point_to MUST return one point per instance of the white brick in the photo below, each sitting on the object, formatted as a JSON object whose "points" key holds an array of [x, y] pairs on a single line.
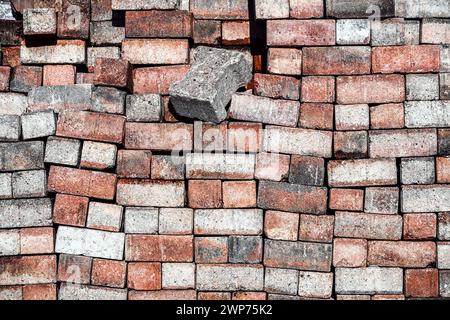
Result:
{"points": [[272, 9], [393, 32], [178, 275], [422, 8], [104, 216], [97, 155], [9, 242], [29, 184], [422, 87], [371, 280], [417, 170], [70, 291], [39, 21], [5, 185], [443, 255], [176, 220], [352, 31], [220, 166], [144, 4], [155, 51], [229, 277], [64, 51], [13, 103], [315, 284], [426, 114], [91, 243], [144, 108], [38, 124], [146, 193], [228, 221], [283, 281], [352, 117], [62, 151], [141, 220]]}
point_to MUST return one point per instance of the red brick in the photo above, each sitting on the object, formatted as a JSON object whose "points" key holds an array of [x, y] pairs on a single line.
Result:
{"points": [[214, 296], [236, 33], [37, 240], [419, 226], [370, 89], [316, 228], [278, 87], [59, 75], [249, 296], [101, 10], [112, 72], [82, 182], [169, 115], [271, 166], [211, 249], [39, 292], [11, 56], [156, 51], [158, 136], [85, 78], [301, 32], [70, 210], [23, 78], [239, 194], [5, 73], [405, 254], [144, 276], [422, 283], [244, 137], [207, 31], [220, 9], [406, 59], [388, 297], [443, 169], [285, 61], [302, 9], [387, 116], [91, 126], [280, 225], [318, 89], [204, 194], [349, 253], [158, 24], [214, 137], [134, 163], [74, 269], [28, 270], [346, 199], [336, 60], [316, 116], [159, 248], [74, 23], [157, 79], [108, 273]]}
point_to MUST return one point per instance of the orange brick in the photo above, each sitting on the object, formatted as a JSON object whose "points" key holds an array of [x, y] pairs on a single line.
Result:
{"points": [[387, 116], [39, 292], [159, 248], [108, 273], [236, 33], [157, 80], [346, 199], [281, 225], [59, 75], [70, 210], [419, 226], [443, 169], [204, 194], [316, 116], [239, 194], [144, 276], [318, 89], [422, 283], [37, 240]]}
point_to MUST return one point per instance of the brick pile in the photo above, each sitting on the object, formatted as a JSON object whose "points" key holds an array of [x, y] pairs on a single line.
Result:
{"points": [[328, 179]]}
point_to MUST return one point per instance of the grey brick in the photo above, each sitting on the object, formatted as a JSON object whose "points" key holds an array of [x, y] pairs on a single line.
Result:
{"points": [[178, 275], [5, 185], [24, 78], [61, 98], [417, 198], [444, 80], [360, 9], [101, 52], [29, 184], [230, 277], [421, 9], [13, 103], [228, 222], [12, 293], [10, 128], [381, 200], [98, 155], [104, 216], [205, 97], [281, 281], [370, 280], [38, 124], [17, 156], [144, 108], [25, 213], [315, 284], [417, 170], [109, 100], [422, 87], [167, 167], [220, 166], [39, 21], [9, 242], [443, 229], [141, 220], [176, 220], [352, 31], [63, 52], [104, 33], [242, 249], [62, 151], [69, 291], [394, 32], [144, 4]]}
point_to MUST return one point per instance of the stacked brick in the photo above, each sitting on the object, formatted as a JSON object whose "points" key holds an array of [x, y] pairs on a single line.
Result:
{"points": [[329, 178]]}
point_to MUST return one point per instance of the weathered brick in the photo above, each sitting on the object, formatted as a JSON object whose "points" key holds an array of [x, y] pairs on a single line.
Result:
{"points": [[417, 170], [163, 295], [370, 280], [350, 144], [150, 193], [37, 240], [73, 19], [239, 194], [419, 9], [62, 151], [155, 51], [346, 199], [307, 171], [423, 283], [28, 270], [387, 116], [306, 8], [211, 249], [280, 225], [228, 221], [92, 126], [221, 9], [11, 293], [368, 226], [204, 194], [112, 72], [159, 248], [93, 53], [24, 78], [301, 32], [318, 89], [352, 117], [11, 56], [5, 73], [10, 31], [104, 216], [406, 59], [176, 221], [415, 198], [360, 9], [443, 255], [220, 166], [141, 220], [435, 31], [59, 75], [158, 24], [39, 292], [108, 273], [92, 243], [364, 172], [69, 291], [444, 142], [292, 197], [286, 61], [297, 141], [82, 182], [207, 31], [260, 109], [353, 31], [167, 168], [283, 281], [236, 33], [272, 166], [269, 9], [444, 88], [108, 100], [17, 156], [39, 21], [60, 98], [426, 114], [336, 60], [297, 255], [70, 210], [245, 249], [316, 228], [395, 32], [370, 89], [97, 155], [10, 242], [315, 284], [63, 52], [29, 184], [178, 275], [274, 86], [10, 128], [143, 4], [316, 116], [443, 170], [230, 277], [244, 137], [74, 269], [133, 163], [38, 124], [12, 104], [422, 87], [106, 33], [144, 108], [144, 276], [210, 137], [381, 200], [419, 226], [158, 136], [101, 10], [443, 227], [405, 254], [350, 253]]}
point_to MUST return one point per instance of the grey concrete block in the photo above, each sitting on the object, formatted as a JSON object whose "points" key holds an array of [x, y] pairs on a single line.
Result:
{"points": [[209, 85]]}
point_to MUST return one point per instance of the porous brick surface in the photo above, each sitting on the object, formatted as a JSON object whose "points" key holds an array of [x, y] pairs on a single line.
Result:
{"points": [[218, 150]]}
